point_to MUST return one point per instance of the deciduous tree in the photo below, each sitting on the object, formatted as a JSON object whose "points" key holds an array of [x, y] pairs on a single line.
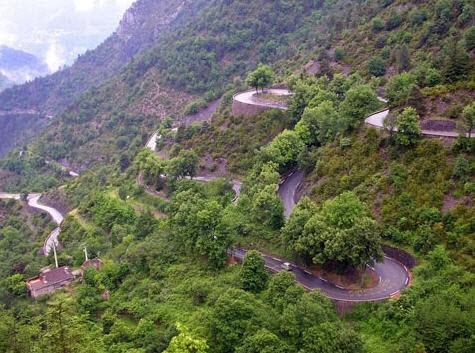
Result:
{"points": [[253, 272], [342, 232], [263, 341], [408, 128], [359, 102], [185, 342], [261, 78], [399, 89], [185, 164]]}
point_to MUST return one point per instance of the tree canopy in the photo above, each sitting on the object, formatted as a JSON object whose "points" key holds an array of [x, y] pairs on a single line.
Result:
{"points": [[341, 231], [261, 78]]}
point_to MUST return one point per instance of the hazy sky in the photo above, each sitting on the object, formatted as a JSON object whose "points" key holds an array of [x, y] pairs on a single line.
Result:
{"points": [[58, 30]]}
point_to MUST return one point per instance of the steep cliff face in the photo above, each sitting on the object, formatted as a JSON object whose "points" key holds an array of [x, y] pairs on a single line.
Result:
{"points": [[141, 25], [146, 19]]}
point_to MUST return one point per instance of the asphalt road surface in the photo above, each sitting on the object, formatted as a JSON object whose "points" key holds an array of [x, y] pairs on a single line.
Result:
{"points": [[249, 97], [33, 201], [52, 240], [377, 120], [288, 191], [393, 277]]}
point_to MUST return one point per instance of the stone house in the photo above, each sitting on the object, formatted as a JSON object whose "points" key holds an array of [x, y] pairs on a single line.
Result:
{"points": [[49, 281]]}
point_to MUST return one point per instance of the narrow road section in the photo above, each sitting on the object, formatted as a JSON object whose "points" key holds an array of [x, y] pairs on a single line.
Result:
{"points": [[33, 201], [250, 97], [377, 120], [288, 191], [393, 278]]}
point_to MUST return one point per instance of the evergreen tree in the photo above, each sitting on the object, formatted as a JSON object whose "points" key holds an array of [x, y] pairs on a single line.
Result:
{"points": [[457, 62], [468, 119]]}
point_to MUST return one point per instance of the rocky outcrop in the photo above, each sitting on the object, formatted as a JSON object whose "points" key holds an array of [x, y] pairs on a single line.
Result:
{"points": [[148, 18]]}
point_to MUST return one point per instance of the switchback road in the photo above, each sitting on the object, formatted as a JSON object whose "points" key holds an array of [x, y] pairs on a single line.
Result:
{"points": [[250, 97], [33, 201], [377, 120], [393, 277]]}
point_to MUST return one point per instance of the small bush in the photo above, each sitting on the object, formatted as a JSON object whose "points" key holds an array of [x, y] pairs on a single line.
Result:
{"points": [[469, 188], [470, 38], [377, 25], [339, 54], [376, 67]]}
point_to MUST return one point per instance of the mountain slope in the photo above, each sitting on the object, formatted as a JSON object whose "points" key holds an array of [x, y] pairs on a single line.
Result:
{"points": [[141, 25], [167, 280], [199, 58]]}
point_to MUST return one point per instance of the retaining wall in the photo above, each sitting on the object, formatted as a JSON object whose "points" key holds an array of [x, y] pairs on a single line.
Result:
{"points": [[245, 109], [400, 255]]}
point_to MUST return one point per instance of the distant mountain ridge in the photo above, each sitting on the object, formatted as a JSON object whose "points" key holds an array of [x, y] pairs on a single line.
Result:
{"points": [[17, 67]]}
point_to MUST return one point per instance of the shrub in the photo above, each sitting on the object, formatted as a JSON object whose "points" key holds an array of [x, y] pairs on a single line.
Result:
{"points": [[339, 54], [470, 38], [469, 188], [417, 17], [195, 106], [462, 168], [408, 129], [377, 25], [468, 13], [376, 67], [393, 22]]}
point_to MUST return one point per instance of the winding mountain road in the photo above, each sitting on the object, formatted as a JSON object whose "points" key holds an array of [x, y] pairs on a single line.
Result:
{"points": [[393, 277], [250, 97], [288, 191], [377, 120], [33, 201]]}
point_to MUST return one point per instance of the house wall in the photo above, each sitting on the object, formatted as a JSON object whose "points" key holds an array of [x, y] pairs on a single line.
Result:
{"points": [[48, 290]]}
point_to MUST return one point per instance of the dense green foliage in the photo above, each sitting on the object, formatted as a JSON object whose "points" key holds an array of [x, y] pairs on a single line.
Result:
{"points": [[167, 283], [21, 233], [341, 232], [261, 78], [253, 273]]}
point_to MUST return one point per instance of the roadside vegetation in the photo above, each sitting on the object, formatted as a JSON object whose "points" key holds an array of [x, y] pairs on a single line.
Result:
{"points": [[168, 283]]}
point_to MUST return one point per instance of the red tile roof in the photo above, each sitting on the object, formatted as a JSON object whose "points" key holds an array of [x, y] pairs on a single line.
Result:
{"points": [[50, 278]]}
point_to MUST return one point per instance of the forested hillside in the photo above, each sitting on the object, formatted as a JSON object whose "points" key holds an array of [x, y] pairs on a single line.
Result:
{"points": [[141, 26], [169, 223]]}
